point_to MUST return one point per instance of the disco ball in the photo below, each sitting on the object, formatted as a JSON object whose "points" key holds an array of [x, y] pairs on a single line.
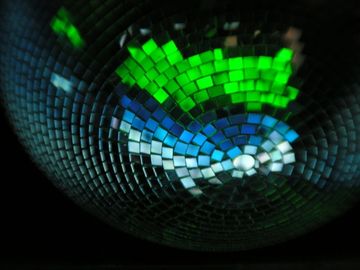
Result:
{"points": [[203, 125]]}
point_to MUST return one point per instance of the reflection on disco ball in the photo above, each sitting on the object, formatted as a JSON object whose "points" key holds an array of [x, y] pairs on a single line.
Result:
{"points": [[210, 126]]}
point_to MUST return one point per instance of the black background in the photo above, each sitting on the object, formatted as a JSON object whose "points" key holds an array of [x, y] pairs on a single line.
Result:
{"points": [[40, 226]]}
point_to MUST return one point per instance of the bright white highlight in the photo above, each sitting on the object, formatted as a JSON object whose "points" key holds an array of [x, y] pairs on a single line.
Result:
{"points": [[244, 162]]}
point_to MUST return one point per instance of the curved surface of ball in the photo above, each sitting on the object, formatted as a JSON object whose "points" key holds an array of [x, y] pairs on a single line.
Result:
{"points": [[205, 125]]}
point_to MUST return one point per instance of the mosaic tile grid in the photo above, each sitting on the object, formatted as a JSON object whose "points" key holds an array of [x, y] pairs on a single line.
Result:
{"points": [[180, 127]]}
